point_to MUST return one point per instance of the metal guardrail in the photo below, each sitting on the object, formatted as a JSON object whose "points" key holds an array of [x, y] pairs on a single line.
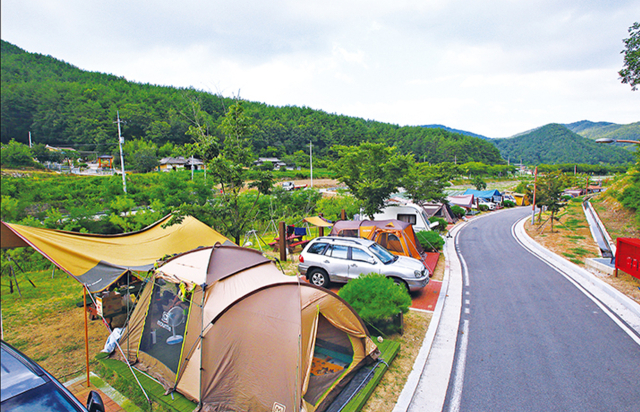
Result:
{"points": [[597, 230]]}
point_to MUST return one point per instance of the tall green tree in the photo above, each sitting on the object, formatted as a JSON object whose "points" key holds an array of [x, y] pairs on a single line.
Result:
{"points": [[549, 193], [630, 73], [232, 211], [425, 183], [372, 171]]}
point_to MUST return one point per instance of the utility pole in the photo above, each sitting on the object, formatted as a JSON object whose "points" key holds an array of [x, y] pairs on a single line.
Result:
{"points": [[121, 141], [29, 140], [533, 206], [311, 160]]}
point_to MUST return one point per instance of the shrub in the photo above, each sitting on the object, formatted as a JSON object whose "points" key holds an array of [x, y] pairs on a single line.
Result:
{"points": [[442, 223], [376, 298], [458, 211], [16, 154], [483, 208], [508, 203], [430, 240]]}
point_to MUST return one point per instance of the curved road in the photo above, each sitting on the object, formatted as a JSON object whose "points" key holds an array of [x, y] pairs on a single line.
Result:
{"points": [[529, 340]]}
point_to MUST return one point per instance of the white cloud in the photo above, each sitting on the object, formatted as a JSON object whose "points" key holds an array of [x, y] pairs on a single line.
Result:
{"points": [[494, 67]]}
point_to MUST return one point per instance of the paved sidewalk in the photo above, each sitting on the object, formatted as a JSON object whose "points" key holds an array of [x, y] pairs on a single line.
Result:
{"points": [[113, 400]]}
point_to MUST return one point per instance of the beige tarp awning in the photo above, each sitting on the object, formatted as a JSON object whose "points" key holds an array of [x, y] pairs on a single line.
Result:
{"points": [[98, 260], [318, 221]]}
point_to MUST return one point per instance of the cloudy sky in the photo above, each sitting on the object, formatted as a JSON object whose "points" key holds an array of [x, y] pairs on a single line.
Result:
{"points": [[493, 67]]}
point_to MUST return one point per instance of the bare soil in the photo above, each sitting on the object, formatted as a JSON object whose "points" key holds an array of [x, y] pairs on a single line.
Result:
{"points": [[387, 392]]}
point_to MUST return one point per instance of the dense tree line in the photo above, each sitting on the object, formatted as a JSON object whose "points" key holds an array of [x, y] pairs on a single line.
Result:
{"points": [[62, 105], [555, 143]]}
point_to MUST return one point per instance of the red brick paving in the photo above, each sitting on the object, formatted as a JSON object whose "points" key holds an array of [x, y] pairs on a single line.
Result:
{"points": [[424, 299]]}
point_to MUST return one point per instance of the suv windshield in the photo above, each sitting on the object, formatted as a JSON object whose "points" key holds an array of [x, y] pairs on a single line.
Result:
{"points": [[383, 254]]}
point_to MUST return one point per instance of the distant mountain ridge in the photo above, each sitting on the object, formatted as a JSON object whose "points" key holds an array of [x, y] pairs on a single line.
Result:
{"points": [[599, 130], [449, 129], [556, 143]]}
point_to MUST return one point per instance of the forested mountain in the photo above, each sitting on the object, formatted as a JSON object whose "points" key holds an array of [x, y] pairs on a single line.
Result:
{"points": [[449, 129], [555, 143], [599, 130], [62, 105]]}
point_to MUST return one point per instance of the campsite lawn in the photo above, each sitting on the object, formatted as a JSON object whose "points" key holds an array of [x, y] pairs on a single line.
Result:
{"points": [[46, 325]]}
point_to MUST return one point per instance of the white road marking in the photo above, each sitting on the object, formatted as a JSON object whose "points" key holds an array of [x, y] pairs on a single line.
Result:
{"points": [[456, 397], [581, 288]]}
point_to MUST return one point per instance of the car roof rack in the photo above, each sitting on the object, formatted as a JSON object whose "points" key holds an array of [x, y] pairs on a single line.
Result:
{"points": [[340, 238]]}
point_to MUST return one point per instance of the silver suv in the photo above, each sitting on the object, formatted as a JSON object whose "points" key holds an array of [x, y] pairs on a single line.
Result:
{"points": [[338, 259]]}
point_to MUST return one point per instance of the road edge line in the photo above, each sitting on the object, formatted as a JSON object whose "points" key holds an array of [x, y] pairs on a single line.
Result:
{"points": [[623, 306], [420, 364]]}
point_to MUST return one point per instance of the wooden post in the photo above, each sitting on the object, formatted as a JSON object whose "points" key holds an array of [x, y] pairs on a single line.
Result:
{"points": [[282, 241], [86, 333], [533, 206], [343, 215], [321, 231]]}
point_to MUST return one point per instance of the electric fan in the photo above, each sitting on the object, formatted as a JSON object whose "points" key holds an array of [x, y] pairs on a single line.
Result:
{"points": [[174, 318]]}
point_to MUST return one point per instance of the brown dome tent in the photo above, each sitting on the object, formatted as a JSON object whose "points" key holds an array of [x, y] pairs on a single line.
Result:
{"points": [[224, 327]]}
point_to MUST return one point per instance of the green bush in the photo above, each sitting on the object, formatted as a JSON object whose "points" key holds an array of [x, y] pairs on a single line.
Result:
{"points": [[458, 211], [483, 208], [442, 223], [16, 154], [430, 240], [376, 298], [508, 203]]}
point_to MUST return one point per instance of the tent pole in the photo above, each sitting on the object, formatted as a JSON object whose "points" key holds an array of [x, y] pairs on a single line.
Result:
{"points": [[86, 332]]}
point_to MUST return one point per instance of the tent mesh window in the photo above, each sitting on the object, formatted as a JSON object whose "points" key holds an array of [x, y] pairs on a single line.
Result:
{"points": [[391, 242], [333, 353], [164, 328], [349, 233]]}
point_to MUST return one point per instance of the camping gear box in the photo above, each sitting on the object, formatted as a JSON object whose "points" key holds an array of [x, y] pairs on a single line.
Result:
{"points": [[109, 305]]}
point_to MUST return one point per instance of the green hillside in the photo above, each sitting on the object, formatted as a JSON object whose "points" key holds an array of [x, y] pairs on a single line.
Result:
{"points": [[599, 130], [555, 143], [62, 105]]}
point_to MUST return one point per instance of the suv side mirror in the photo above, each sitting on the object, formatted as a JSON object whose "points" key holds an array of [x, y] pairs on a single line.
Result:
{"points": [[372, 261], [94, 402]]}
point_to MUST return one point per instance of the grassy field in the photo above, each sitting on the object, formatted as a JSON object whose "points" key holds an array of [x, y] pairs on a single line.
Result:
{"points": [[46, 324]]}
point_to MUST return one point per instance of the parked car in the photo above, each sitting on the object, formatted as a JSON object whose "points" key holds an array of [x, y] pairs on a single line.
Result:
{"points": [[28, 387], [288, 185], [490, 205], [337, 259]]}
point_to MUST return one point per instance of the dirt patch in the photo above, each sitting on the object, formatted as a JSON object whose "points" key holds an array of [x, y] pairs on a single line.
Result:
{"points": [[388, 391], [48, 329]]}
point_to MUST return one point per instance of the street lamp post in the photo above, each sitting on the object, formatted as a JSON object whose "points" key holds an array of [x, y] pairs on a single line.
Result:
{"points": [[610, 140], [311, 161]]}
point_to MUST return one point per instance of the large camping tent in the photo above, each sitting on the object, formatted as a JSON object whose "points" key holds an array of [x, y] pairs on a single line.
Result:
{"points": [[465, 201], [396, 236], [441, 210], [97, 261], [489, 195], [242, 336]]}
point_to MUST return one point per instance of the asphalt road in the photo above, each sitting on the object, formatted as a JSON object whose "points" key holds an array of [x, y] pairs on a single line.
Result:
{"points": [[529, 340]]}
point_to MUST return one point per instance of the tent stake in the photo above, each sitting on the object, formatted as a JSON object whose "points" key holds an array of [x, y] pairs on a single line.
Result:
{"points": [[86, 333]]}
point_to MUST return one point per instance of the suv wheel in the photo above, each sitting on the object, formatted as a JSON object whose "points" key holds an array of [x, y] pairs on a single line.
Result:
{"points": [[319, 277], [402, 284]]}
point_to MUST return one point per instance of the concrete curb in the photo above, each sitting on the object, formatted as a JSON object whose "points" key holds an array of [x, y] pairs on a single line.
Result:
{"points": [[624, 307], [437, 396]]}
